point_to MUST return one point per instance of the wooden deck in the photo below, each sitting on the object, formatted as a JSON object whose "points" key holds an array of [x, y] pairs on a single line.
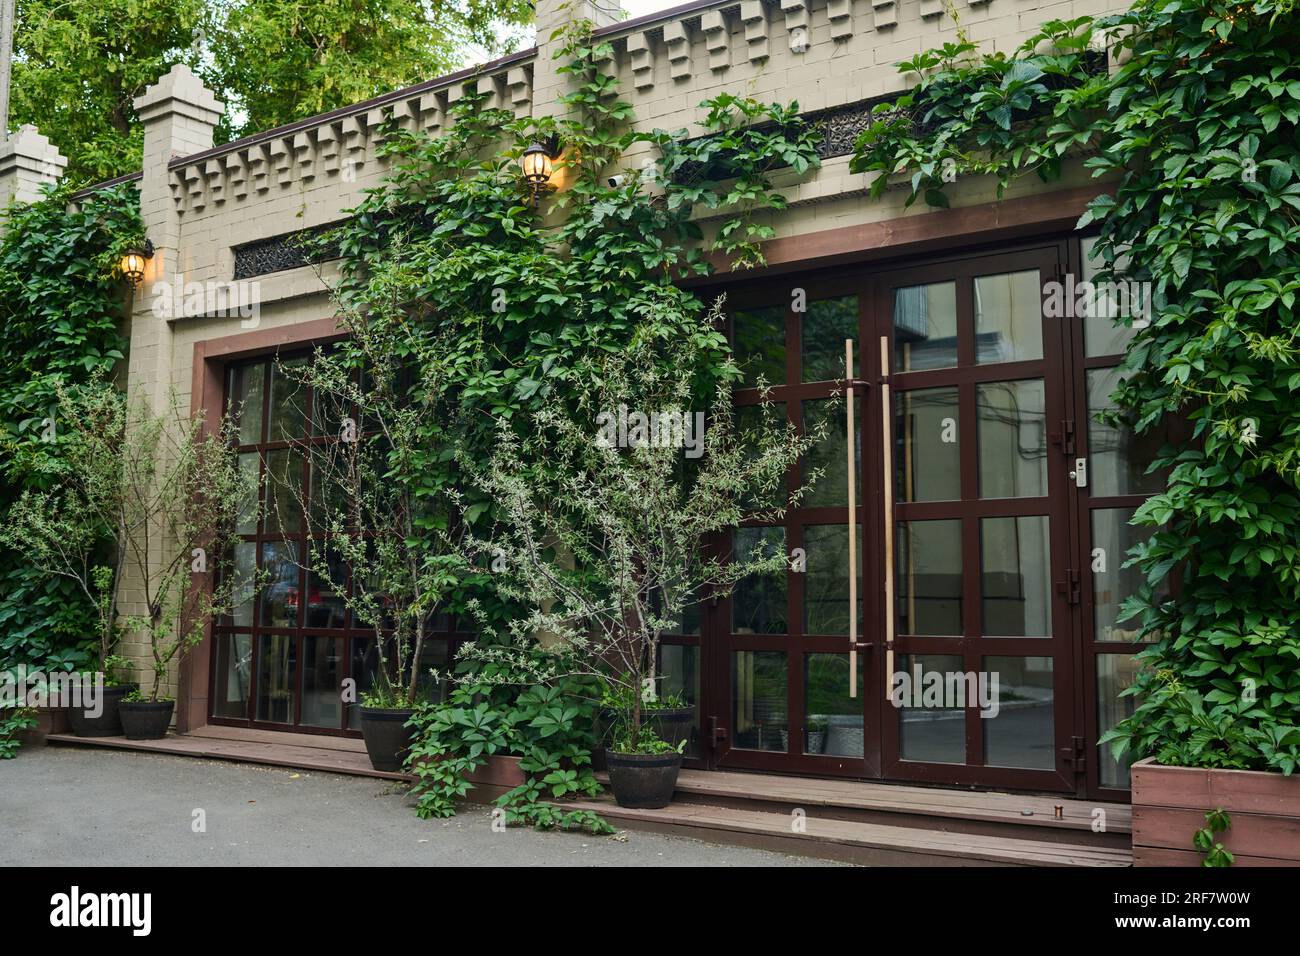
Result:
{"points": [[849, 820]]}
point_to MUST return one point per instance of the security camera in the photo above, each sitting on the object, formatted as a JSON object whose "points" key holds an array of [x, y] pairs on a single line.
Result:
{"points": [[617, 181]]}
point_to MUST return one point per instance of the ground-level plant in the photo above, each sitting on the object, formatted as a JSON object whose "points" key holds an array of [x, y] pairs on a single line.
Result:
{"points": [[13, 722], [170, 490]]}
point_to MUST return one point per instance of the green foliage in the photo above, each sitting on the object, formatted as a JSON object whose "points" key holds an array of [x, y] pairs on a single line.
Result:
{"points": [[1206, 839], [79, 66], [13, 721], [61, 308], [1195, 131]]}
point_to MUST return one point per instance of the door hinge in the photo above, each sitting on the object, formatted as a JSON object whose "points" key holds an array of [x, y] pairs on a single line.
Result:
{"points": [[1076, 755]]}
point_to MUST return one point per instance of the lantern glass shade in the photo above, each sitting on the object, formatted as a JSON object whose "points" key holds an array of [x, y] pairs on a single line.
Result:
{"points": [[133, 265], [537, 164]]}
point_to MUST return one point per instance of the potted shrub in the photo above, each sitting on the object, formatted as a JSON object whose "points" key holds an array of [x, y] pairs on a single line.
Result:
{"points": [[169, 489], [601, 532]]}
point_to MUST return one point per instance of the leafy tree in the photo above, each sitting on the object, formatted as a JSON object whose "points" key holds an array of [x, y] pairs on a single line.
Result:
{"points": [[78, 65]]}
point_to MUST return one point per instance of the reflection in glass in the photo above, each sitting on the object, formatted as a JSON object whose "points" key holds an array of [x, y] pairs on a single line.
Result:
{"points": [[929, 577], [280, 586], [244, 571], [927, 463], [322, 681], [830, 455], [752, 422], [276, 663], [1015, 577], [234, 675], [1008, 318], [758, 603], [925, 327], [759, 345], [1104, 332], [933, 734], [1117, 458], [832, 719], [288, 402], [326, 593], [1021, 735], [1112, 583], [1012, 430], [826, 581], [247, 394], [826, 324], [250, 464], [679, 670], [283, 491], [1115, 673], [759, 708]]}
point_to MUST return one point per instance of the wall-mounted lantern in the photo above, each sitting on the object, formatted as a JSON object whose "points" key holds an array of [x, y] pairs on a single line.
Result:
{"points": [[537, 162], [133, 260]]}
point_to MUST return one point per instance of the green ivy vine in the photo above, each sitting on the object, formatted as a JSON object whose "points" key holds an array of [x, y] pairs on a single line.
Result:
{"points": [[1194, 130], [62, 314], [526, 302]]}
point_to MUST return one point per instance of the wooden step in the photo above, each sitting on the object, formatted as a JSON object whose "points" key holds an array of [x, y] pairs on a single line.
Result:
{"points": [[851, 841], [1024, 816]]}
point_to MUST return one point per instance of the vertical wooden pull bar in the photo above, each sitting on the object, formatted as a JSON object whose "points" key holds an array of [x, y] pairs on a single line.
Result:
{"points": [[887, 454], [853, 520]]}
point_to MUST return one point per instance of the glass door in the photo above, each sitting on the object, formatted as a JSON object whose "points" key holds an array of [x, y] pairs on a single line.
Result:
{"points": [[779, 645], [983, 577]]}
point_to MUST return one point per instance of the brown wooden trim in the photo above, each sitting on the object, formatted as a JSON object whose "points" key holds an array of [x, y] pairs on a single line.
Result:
{"points": [[207, 392], [998, 221]]}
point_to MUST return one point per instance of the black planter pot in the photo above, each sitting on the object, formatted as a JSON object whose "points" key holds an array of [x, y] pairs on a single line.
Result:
{"points": [[146, 720], [108, 723], [387, 737], [672, 724], [643, 781]]}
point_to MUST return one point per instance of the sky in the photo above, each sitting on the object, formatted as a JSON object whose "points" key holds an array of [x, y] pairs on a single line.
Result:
{"points": [[639, 8]]}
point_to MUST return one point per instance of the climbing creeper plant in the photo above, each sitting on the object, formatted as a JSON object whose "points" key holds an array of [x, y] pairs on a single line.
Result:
{"points": [[1193, 131]]}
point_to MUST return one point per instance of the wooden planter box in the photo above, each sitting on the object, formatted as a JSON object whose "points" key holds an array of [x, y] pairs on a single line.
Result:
{"points": [[1169, 806]]}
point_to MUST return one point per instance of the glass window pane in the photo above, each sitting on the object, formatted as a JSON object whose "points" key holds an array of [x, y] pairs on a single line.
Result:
{"points": [[1115, 673], [826, 324], [1117, 458], [826, 580], [1015, 577], [322, 681], [283, 491], [434, 655], [280, 585], [927, 460], [1104, 332], [1012, 431], [758, 603], [234, 675], [243, 569], [925, 327], [679, 668], [1112, 583], [929, 577], [759, 345], [1008, 318], [1021, 735], [753, 421], [928, 731], [247, 396], [832, 719], [831, 456], [288, 401], [326, 591], [275, 678], [250, 465], [759, 701]]}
